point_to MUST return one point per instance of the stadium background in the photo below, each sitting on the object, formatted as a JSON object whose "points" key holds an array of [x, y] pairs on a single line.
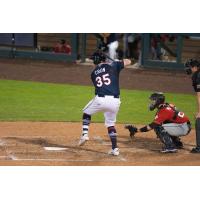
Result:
{"points": [[40, 46]]}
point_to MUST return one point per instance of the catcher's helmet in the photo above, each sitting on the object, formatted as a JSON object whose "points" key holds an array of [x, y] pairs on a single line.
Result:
{"points": [[156, 98], [98, 57], [191, 63]]}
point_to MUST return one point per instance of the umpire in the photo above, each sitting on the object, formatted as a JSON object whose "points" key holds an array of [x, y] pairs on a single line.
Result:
{"points": [[192, 67]]}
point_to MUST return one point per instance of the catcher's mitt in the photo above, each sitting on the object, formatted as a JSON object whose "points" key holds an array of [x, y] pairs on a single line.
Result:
{"points": [[132, 129]]}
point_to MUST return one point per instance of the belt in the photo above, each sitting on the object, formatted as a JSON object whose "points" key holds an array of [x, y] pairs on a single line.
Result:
{"points": [[115, 96]]}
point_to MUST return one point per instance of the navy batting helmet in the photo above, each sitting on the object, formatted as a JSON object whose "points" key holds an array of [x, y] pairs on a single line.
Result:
{"points": [[156, 98], [98, 57]]}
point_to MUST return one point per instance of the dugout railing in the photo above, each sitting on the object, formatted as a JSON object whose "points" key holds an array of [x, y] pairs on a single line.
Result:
{"points": [[185, 46], [10, 48]]}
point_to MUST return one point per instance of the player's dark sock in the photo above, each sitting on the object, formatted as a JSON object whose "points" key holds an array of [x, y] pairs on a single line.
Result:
{"points": [[113, 136], [86, 123]]}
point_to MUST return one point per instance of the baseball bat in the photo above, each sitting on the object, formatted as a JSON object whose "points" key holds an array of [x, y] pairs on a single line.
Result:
{"points": [[106, 55]]}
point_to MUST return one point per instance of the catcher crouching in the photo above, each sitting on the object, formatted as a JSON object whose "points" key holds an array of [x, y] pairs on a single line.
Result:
{"points": [[169, 124]]}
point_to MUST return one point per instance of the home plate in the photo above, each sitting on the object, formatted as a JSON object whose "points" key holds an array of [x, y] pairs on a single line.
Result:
{"points": [[55, 148]]}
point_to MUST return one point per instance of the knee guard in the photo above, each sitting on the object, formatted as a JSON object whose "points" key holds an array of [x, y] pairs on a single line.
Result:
{"points": [[86, 119], [197, 129], [164, 137]]}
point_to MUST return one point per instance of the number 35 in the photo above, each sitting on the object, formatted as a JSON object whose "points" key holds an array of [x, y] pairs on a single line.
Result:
{"points": [[103, 80]]}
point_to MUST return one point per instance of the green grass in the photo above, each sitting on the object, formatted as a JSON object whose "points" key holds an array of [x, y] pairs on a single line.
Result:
{"points": [[32, 101]]}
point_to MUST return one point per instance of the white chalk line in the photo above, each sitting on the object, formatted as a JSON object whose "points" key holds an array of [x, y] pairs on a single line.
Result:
{"points": [[14, 158]]}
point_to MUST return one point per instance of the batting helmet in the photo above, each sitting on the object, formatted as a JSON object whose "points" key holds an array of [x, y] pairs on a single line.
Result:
{"points": [[191, 63], [98, 57], [156, 98]]}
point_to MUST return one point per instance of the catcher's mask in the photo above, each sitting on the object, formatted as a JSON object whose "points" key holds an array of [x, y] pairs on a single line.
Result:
{"points": [[191, 63], [156, 99], [98, 57]]}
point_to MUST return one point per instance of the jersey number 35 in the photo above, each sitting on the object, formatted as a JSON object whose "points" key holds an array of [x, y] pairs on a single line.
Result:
{"points": [[103, 80]]}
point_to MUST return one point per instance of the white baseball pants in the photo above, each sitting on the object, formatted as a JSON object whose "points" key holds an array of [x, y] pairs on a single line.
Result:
{"points": [[108, 105]]}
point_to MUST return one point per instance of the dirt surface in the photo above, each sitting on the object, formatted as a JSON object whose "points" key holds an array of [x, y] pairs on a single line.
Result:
{"points": [[23, 143]]}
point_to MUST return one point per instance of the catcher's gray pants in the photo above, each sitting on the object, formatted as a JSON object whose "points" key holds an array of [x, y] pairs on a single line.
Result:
{"points": [[177, 129]]}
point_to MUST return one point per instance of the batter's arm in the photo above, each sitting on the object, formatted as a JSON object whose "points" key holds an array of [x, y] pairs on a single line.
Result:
{"points": [[127, 62]]}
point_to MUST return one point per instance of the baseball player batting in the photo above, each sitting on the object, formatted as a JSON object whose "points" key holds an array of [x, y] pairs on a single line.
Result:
{"points": [[105, 78], [169, 123]]}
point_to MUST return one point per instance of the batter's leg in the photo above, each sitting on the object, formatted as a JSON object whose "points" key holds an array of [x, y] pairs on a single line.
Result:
{"points": [[113, 137], [85, 127]]}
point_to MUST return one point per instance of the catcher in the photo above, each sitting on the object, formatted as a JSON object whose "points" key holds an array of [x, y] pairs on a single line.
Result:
{"points": [[169, 123]]}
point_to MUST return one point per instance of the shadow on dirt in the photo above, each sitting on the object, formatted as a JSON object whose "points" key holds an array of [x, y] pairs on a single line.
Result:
{"points": [[46, 143], [150, 144]]}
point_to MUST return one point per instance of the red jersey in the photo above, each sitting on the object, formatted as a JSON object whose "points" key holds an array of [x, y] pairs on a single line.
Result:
{"points": [[168, 113]]}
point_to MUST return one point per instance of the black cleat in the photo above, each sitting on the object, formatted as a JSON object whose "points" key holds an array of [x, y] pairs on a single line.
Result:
{"points": [[179, 145], [177, 142], [195, 150]]}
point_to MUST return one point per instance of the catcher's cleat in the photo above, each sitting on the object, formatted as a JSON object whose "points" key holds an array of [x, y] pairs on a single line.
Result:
{"points": [[114, 152], [179, 145], [195, 150], [84, 138], [177, 142], [169, 150], [132, 129]]}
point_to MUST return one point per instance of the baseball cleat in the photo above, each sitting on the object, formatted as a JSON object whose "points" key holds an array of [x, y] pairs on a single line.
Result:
{"points": [[114, 152], [179, 145], [177, 142], [168, 150], [84, 138], [195, 150]]}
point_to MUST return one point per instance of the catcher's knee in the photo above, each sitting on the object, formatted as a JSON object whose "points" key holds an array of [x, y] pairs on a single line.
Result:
{"points": [[164, 136], [159, 130]]}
